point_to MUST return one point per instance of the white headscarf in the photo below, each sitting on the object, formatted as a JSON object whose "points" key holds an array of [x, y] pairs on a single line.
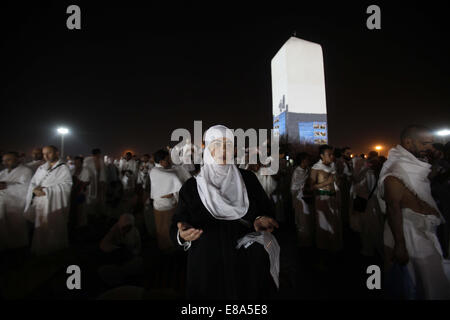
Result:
{"points": [[220, 186]]}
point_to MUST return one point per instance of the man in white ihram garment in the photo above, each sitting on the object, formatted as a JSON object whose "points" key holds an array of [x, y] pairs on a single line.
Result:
{"points": [[128, 169], [192, 155], [48, 203], [326, 204], [412, 216], [304, 219], [112, 172], [96, 189], [14, 181], [113, 187], [183, 159], [37, 161], [359, 188], [143, 186], [370, 219], [143, 178], [80, 179], [265, 175], [165, 185], [70, 163]]}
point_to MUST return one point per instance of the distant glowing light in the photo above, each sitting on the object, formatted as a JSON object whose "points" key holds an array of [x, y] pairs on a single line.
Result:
{"points": [[378, 148], [63, 130], [444, 132], [351, 156]]}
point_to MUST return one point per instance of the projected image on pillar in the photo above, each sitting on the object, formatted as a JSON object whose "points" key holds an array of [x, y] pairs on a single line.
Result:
{"points": [[298, 93]]}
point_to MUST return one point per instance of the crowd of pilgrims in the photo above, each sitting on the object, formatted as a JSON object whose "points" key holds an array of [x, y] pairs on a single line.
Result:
{"points": [[226, 218]]}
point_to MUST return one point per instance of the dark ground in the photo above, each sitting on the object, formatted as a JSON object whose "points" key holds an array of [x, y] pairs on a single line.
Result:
{"points": [[25, 277]]}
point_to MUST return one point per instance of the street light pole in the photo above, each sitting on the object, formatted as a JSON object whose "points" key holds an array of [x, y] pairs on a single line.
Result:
{"points": [[62, 146], [62, 132]]}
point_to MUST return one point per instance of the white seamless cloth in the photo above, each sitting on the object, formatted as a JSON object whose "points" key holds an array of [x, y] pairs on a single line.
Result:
{"points": [[429, 271], [411, 171], [165, 204], [163, 181], [272, 247]]}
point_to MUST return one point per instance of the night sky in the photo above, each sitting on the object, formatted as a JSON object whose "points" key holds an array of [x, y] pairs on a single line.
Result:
{"points": [[135, 73]]}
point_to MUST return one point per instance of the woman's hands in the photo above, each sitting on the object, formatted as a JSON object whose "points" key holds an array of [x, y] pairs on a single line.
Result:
{"points": [[187, 232], [265, 224]]}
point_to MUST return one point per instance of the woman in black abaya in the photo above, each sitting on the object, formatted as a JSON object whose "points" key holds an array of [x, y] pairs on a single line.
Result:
{"points": [[216, 208]]}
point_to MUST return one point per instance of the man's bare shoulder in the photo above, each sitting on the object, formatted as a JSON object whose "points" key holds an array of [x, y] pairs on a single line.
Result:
{"points": [[393, 188], [393, 181]]}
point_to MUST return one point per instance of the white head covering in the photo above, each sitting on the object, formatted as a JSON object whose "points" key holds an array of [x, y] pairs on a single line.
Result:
{"points": [[220, 186]]}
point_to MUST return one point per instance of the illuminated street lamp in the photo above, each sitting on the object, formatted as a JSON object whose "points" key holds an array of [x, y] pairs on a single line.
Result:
{"points": [[443, 134], [62, 132], [379, 148]]}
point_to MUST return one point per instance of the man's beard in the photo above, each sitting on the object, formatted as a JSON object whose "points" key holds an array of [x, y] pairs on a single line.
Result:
{"points": [[424, 159], [52, 160], [419, 156]]}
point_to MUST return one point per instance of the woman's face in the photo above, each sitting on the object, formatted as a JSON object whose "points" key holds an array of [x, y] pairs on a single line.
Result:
{"points": [[221, 150]]}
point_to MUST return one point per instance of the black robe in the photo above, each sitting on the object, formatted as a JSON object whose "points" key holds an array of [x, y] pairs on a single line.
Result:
{"points": [[215, 268]]}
